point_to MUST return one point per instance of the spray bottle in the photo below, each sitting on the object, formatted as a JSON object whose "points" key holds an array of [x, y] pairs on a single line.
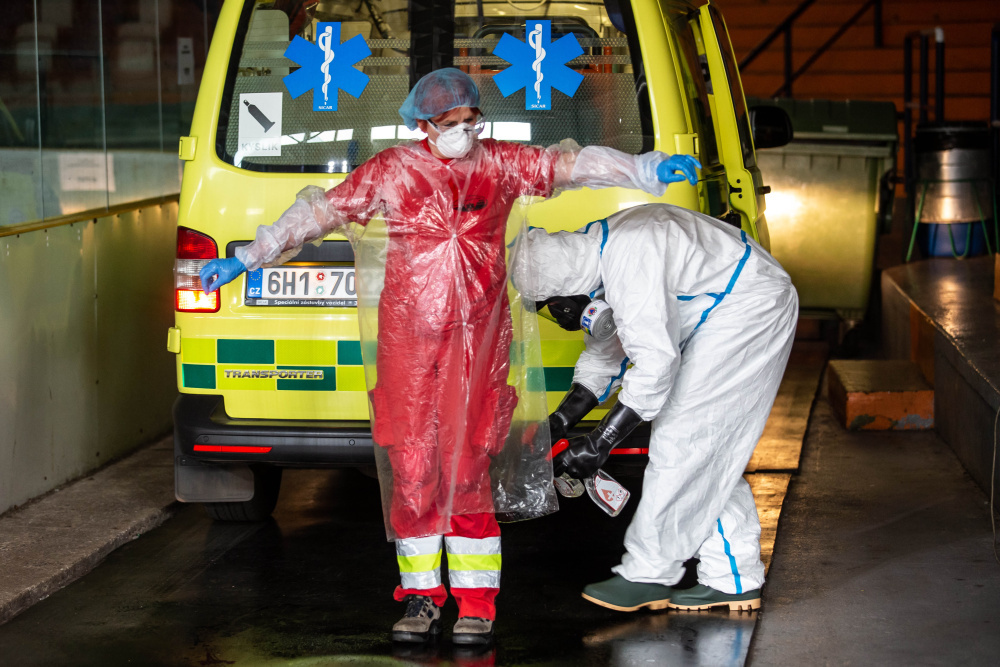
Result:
{"points": [[602, 488]]}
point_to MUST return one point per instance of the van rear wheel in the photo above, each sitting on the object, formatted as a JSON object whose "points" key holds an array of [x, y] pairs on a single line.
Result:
{"points": [[266, 485]]}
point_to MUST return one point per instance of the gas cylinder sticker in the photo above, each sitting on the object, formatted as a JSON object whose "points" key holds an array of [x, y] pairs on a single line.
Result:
{"points": [[260, 124]]}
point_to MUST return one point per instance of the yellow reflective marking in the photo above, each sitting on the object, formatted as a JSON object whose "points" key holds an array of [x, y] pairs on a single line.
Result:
{"points": [[198, 350], [351, 378], [290, 404], [422, 563], [474, 562], [561, 352], [306, 352]]}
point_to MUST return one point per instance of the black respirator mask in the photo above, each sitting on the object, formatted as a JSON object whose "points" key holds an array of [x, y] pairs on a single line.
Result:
{"points": [[572, 313]]}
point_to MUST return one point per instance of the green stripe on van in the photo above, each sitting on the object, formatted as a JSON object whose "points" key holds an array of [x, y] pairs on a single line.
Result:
{"points": [[349, 353], [198, 376], [558, 378], [535, 378], [328, 383], [245, 351]]}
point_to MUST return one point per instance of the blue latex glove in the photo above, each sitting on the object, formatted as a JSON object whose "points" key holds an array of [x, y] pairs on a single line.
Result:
{"points": [[224, 270], [667, 171]]}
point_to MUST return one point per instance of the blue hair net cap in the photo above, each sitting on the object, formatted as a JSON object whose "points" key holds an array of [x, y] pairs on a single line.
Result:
{"points": [[438, 92]]}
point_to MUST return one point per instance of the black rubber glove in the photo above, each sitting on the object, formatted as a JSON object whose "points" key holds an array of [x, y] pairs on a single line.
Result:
{"points": [[574, 407], [588, 453], [566, 310]]}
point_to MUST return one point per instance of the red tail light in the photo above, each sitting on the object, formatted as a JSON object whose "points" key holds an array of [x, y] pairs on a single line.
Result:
{"points": [[195, 245], [194, 250], [232, 449]]}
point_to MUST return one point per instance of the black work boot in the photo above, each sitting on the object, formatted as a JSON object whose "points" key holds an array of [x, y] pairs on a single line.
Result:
{"points": [[421, 621], [472, 630]]}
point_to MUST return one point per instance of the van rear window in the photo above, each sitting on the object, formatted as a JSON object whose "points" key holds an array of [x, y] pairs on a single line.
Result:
{"points": [[262, 128]]}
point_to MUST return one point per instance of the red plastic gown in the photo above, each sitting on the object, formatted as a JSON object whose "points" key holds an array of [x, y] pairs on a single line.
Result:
{"points": [[441, 404]]}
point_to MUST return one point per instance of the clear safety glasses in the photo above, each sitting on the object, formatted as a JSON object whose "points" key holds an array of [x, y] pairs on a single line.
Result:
{"points": [[477, 128]]}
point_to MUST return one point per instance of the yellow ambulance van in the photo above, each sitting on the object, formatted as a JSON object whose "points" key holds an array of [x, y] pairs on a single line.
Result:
{"points": [[300, 92]]}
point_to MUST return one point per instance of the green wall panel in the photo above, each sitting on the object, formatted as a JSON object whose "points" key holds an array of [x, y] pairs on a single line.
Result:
{"points": [[84, 375]]}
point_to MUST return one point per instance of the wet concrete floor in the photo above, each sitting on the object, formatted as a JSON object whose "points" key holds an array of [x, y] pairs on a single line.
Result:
{"points": [[313, 587]]}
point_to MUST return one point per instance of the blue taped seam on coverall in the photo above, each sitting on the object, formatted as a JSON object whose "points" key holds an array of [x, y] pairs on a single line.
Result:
{"points": [[732, 561], [717, 296], [620, 375]]}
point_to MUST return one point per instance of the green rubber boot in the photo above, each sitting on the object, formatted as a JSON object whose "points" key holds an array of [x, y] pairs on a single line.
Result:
{"points": [[702, 597], [620, 594]]}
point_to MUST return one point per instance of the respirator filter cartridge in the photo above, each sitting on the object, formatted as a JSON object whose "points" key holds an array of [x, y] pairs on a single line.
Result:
{"points": [[598, 320]]}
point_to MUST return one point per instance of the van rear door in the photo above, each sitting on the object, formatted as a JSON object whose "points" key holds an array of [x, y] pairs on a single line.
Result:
{"points": [[746, 192]]}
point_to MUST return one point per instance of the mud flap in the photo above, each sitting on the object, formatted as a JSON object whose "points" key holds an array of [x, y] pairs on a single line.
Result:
{"points": [[198, 482]]}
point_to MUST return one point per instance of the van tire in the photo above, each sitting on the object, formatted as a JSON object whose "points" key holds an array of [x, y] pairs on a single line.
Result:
{"points": [[266, 485]]}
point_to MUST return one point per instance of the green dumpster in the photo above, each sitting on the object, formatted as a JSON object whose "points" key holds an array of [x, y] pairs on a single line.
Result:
{"points": [[831, 194]]}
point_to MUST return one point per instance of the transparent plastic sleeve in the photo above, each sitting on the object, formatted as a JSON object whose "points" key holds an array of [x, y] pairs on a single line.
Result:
{"points": [[308, 219], [603, 167]]}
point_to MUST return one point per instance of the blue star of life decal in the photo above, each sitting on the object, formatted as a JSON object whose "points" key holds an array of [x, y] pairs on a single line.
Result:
{"points": [[538, 66], [327, 66]]}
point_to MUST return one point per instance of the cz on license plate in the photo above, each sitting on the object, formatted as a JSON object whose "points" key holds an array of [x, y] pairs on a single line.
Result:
{"points": [[302, 286]]}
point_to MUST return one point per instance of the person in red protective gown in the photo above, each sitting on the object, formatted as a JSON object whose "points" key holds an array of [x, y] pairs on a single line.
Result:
{"points": [[441, 405]]}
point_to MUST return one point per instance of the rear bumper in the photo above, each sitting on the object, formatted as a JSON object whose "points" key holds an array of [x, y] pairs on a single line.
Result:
{"points": [[204, 432]]}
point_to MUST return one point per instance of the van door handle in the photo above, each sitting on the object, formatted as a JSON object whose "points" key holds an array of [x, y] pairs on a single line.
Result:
{"points": [[735, 189]]}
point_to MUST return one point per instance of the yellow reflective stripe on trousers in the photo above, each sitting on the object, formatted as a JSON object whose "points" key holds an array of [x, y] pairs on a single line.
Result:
{"points": [[421, 563], [473, 563], [479, 562]]}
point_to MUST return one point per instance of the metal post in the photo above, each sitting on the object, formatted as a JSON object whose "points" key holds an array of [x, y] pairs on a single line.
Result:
{"points": [[938, 74], [788, 61], [907, 109], [877, 22], [995, 79], [924, 77], [995, 118], [908, 170]]}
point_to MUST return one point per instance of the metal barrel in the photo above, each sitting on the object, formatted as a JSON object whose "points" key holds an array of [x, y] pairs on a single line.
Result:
{"points": [[954, 173]]}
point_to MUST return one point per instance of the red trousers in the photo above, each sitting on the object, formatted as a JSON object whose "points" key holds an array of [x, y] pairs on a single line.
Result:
{"points": [[474, 541]]}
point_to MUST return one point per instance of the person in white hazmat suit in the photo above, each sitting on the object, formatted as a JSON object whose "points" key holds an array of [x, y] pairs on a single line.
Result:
{"points": [[705, 321]]}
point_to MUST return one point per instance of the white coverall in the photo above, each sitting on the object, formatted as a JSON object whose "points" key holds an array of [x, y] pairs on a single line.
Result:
{"points": [[706, 319]]}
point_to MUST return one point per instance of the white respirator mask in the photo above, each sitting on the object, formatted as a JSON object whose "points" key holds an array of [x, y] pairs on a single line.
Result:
{"points": [[455, 142]]}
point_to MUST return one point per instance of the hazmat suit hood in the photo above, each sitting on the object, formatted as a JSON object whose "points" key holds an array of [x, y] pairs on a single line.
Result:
{"points": [[559, 264]]}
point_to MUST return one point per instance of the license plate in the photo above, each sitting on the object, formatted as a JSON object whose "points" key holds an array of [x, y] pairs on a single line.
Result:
{"points": [[302, 286]]}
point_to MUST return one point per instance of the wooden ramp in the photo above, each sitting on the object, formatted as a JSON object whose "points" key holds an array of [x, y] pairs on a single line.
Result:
{"points": [[777, 455]]}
